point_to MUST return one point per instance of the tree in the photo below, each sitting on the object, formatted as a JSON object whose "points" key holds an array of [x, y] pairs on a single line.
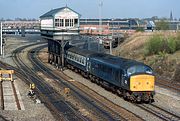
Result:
{"points": [[162, 25]]}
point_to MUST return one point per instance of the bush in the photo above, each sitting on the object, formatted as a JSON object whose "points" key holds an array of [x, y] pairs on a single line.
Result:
{"points": [[153, 45], [158, 44], [140, 29], [162, 25], [178, 41], [171, 43]]}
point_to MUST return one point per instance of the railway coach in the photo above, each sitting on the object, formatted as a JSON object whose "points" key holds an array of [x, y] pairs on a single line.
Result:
{"points": [[129, 78]]}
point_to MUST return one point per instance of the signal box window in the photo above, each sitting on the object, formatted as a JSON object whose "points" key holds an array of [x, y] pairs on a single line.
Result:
{"points": [[67, 22], [75, 21], [56, 22], [59, 22]]}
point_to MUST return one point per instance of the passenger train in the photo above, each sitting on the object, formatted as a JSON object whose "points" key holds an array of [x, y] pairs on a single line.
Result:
{"points": [[133, 80]]}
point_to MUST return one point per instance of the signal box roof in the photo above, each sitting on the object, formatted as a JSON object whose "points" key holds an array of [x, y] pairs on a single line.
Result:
{"points": [[52, 12]]}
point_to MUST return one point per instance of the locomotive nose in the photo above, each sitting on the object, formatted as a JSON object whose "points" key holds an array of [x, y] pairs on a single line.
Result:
{"points": [[142, 83]]}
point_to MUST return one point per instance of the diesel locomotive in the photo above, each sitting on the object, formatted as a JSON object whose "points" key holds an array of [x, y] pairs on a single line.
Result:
{"points": [[133, 80]]}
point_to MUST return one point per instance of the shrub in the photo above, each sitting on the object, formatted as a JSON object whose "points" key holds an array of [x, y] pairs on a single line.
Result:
{"points": [[140, 29], [171, 43], [162, 25], [178, 41], [158, 45], [153, 44]]}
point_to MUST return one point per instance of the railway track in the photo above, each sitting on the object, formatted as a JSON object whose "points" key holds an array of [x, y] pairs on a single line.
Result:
{"points": [[53, 100], [159, 112], [97, 107], [153, 109], [9, 86], [9, 97], [169, 85], [103, 102]]}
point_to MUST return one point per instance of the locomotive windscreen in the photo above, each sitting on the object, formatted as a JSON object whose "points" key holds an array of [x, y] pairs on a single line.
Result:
{"points": [[139, 69]]}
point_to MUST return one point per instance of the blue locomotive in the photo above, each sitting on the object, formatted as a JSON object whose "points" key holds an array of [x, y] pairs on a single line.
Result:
{"points": [[131, 79]]}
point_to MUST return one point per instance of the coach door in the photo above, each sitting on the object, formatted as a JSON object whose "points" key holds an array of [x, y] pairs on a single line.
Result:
{"points": [[122, 78], [88, 65]]}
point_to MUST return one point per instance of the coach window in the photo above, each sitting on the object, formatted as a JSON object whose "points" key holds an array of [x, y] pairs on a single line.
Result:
{"points": [[77, 58], [82, 61], [69, 56]]}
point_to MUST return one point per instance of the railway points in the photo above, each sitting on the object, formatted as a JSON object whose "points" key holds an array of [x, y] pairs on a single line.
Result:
{"points": [[70, 83], [85, 81], [29, 109], [79, 79]]}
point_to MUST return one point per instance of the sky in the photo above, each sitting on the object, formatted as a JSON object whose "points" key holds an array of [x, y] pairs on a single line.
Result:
{"points": [[90, 8]]}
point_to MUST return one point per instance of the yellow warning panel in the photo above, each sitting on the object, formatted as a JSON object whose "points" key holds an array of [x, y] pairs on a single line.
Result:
{"points": [[6, 71]]}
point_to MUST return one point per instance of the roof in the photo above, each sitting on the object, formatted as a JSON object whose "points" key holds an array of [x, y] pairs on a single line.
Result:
{"points": [[54, 11], [79, 51], [116, 61]]}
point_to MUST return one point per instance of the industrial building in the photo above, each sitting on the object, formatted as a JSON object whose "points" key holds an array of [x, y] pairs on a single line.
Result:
{"points": [[92, 26]]}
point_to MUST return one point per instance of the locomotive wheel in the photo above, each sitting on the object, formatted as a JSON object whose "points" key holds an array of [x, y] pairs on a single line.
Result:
{"points": [[76, 70], [119, 92], [124, 96], [138, 99], [146, 98], [132, 98]]}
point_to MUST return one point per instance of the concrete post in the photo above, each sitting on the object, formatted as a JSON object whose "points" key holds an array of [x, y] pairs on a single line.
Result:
{"points": [[62, 54], [3, 50], [1, 39], [59, 61], [110, 44]]}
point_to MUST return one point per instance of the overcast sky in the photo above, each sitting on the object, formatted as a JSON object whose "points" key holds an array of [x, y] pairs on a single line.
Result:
{"points": [[90, 8]]}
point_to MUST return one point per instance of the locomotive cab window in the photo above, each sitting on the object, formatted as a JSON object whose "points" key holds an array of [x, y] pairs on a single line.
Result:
{"points": [[139, 69]]}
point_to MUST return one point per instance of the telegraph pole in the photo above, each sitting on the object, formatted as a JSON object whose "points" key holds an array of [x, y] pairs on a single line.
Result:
{"points": [[62, 46], [100, 22], [110, 44], [1, 40]]}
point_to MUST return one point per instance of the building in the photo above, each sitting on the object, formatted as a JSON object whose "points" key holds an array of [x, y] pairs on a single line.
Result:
{"points": [[171, 16], [59, 26], [20, 24], [91, 26], [59, 21]]}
